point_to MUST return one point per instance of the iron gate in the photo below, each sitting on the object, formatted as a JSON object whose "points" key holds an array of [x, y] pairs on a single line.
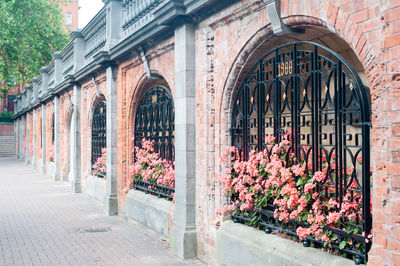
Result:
{"points": [[154, 121], [99, 131], [313, 92]]}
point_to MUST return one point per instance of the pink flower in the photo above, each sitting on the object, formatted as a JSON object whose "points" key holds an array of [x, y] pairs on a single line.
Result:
{"points": [[308, 187], [318, 176], [270, 139]]}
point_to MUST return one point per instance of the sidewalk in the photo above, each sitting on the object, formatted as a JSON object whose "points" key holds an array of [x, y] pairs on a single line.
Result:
{"points": [[43, 223]]}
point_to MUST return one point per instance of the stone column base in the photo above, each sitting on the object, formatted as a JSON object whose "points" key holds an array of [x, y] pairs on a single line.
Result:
{"points": [[111, 205], [76, 186], [184, 242]]}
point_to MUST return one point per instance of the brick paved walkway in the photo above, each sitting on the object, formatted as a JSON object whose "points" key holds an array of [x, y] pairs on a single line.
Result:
{"points": [[43, 223]]}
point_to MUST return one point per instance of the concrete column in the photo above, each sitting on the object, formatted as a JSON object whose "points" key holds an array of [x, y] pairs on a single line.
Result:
{"points": [[17, 137], [57, 136], [184, 238], [75, 159], [44, 128], [28, 140], [111, 198], [34, 146]]}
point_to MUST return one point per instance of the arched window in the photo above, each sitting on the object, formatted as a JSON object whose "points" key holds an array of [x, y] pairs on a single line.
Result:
{"points": [[154, 121], [99, 129], [312, 92], [52, 129]]}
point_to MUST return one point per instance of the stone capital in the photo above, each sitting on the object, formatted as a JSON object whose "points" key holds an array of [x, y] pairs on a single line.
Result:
{"points": [[57, 55], [76, 34]]}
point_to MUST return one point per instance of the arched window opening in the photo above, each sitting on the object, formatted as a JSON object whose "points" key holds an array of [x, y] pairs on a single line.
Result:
{"points": [[154, 121], [311, 92], [99, 138], [52, 129]]}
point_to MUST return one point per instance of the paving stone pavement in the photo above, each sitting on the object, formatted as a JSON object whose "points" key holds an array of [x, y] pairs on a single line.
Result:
{"points": [[43, 223]]}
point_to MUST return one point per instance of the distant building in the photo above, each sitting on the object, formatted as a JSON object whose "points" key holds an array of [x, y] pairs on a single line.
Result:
{"points": [[70, 9]]}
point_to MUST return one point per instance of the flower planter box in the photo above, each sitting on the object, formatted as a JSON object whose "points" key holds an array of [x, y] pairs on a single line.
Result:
{"points": [[150, 211], [96, 188], [238, 244]]}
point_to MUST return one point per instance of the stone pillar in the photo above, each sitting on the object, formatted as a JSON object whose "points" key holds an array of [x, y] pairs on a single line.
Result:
{"points": [[28, 140], [79, 49], [184, 235], [111, 197], [17, 137], [75, 160], [58, 68], [34, 146], [22, 134], [44, 127], [57, 136]]}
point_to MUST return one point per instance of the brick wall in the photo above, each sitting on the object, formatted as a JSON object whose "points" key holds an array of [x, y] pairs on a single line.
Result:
{"points": [[366, 33], [89, 100], [65, 126], [38, 133], [6, 129], [49, 131], [31, 125], [227, 44], [132, 82]]}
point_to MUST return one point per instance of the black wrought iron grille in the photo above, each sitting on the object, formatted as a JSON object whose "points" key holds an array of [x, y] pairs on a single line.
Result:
{"points": [[312, 91], [99, 131], [155, 121]]}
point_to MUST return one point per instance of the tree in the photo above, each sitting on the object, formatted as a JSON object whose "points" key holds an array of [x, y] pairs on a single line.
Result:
{"points": [[30, 32]]}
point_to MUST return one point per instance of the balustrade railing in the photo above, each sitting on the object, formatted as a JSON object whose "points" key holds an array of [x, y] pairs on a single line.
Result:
{"points": [[95, 34], [52, 77], [67, 58], [136, 14]]}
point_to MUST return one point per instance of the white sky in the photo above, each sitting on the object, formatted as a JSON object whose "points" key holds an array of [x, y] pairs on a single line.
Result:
{"points": [[88, 9]]}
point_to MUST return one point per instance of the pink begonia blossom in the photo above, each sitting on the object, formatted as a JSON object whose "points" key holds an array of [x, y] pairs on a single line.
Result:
{"points": [[51, 154], [100, 166], [295, 191], [150, 167]]}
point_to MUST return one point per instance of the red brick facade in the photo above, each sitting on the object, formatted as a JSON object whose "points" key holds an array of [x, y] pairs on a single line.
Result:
{"points": [[89, 100], [366, 33]]}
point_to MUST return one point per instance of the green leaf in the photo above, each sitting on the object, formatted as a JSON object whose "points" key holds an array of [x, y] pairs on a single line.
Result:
{"points": [[342, 244]]}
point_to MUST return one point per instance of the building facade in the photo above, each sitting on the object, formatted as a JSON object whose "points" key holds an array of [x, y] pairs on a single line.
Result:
{"points": [[197, 77]]}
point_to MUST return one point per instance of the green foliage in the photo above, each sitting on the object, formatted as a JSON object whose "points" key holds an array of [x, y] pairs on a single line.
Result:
{"points": [[6, 117], [30, 32]]}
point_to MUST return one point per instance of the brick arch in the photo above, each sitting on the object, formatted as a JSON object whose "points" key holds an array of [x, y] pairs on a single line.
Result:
{"points": [[366, 60]]}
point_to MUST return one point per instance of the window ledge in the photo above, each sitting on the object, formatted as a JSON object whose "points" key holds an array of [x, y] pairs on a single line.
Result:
{"points": [[238, 244]]}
